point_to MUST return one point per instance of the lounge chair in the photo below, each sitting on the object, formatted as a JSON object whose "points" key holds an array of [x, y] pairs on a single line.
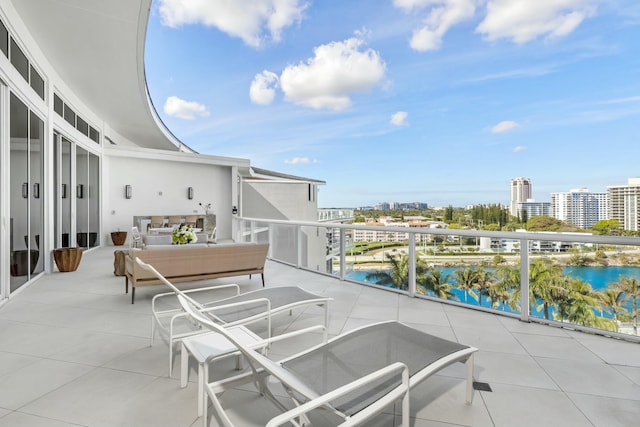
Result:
{"points": [[239, 309], [355, 374]]}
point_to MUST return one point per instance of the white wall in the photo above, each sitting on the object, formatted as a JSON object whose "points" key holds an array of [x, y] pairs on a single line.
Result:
{"points": [[159, 187]]}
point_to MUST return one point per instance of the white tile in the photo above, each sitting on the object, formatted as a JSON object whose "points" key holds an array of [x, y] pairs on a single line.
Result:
{"points": [[35, 380], [19, 419], [532, 407], [606, 411]]}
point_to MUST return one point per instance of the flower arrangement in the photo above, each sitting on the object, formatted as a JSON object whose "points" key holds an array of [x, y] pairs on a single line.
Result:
{"points": [[184, 235]]}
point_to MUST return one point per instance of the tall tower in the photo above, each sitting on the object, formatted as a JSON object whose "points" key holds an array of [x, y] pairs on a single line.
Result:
{"points": [[520, 192]]}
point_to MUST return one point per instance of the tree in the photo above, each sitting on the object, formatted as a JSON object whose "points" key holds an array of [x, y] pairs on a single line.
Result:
{"points": [[612, 300], [433, 281], [485, 280], [544, 223], [398, 276], [607, 227], [467, 280], [630, 286]]}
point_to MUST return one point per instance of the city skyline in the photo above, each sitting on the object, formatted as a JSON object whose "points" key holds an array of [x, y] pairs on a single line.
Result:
{"points": [[439, 101]]}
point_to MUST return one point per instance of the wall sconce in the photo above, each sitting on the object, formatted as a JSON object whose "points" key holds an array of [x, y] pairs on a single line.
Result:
{"points": [[190, 193], [25, 190], [80, 191], [36, 190], [127, 191], [234, 210], [64, 191]]}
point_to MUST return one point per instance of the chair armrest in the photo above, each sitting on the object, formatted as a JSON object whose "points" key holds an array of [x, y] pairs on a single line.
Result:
{"points": [[401, 391]]}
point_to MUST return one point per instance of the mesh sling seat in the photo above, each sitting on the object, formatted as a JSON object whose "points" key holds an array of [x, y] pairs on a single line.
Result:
{"points": [[354, 374], [239, 309]]}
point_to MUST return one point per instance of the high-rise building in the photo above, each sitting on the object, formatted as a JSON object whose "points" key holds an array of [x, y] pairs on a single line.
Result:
{"points": [[520, 193], [624, 204], [580, 207], [532, 208]]}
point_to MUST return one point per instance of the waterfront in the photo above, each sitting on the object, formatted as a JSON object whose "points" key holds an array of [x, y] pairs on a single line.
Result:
{"points": [[599, 278]]}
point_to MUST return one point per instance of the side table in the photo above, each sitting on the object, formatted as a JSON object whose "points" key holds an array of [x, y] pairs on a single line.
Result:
{"points": [[207, 348]]}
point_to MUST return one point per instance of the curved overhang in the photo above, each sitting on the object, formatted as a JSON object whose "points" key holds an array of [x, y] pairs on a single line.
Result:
{"points": [[97, 49]]}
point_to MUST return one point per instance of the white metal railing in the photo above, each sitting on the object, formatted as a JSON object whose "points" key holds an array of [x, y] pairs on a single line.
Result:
{"points": [[296, 243]]}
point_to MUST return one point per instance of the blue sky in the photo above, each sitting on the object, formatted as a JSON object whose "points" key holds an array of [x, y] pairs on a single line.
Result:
{"points": [[438, 101]]}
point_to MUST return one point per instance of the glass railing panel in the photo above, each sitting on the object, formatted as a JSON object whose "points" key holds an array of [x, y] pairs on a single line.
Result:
{"points": [[599, 287], [284, 243]]}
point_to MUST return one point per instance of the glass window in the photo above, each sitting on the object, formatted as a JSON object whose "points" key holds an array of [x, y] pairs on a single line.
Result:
{"points": [[19, 60], [37, 82], [94, 134], [69, 115], [4, 39], [82, 126], [58, 105]]}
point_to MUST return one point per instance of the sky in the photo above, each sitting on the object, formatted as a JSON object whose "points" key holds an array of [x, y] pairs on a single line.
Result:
{"points": [[436, 101]]}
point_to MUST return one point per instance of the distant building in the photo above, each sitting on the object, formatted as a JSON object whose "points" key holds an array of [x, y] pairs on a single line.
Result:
{"points": [[533, 208], [520, 193], [624, 204], [580, 207]]}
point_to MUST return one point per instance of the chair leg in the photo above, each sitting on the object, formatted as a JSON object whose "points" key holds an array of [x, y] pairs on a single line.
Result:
{"points": [[126, 284], [469, 364], [133, 293], [262, 274]]}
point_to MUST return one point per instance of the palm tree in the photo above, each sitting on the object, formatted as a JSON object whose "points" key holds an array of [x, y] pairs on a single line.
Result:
{"points": [[467, 281], [545, 284], [398, 276], [630, 286], [575, 305], [433, 281], [484, 280], [612, 300]]}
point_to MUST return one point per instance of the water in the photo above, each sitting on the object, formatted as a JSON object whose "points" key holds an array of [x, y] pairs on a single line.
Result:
{"points": [[598, 277]]}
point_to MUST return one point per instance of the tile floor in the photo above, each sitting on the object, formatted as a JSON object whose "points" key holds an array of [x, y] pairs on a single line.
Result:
{"points": [[75, 352]]}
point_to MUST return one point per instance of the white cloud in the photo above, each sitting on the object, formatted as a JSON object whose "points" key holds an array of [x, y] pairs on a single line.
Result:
{"points": [[263, 88], [187, 110], [519, 148], [337, 70], [504, 126], [300, 160], [249, 20], [525, 20], [440, 17], [399, 118]]}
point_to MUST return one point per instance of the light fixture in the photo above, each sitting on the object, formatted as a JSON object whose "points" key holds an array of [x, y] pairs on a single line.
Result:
{"points": [[80, 191], [64, 191], [127, 191], [190, 193], [234, 210], [36, 190], [25, 190]]}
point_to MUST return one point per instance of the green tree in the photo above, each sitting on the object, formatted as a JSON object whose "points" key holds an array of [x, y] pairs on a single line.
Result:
{"points": [[397, 277], [607, 227], [467, 280], [630, 286], [485, 280], [612, 300], [435, 282]]}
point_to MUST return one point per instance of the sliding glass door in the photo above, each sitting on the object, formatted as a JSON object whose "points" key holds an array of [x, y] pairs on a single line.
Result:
{"points": [[26, 225]]}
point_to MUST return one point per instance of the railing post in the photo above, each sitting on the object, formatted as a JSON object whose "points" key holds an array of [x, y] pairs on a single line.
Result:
{"points": [[524, 280], [343, 249], [412, 265]]}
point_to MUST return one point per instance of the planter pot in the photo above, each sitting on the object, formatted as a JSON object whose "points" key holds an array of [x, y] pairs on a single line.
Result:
{"points": [[118, 238], [67, 259], [24, 262]]}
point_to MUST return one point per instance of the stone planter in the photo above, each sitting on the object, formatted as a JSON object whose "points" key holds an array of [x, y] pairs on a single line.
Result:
{"points": [[67, 259], [118, 238]]}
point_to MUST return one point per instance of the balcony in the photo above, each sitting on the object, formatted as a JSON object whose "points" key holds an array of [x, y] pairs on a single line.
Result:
{"points": [[74, 351]]}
